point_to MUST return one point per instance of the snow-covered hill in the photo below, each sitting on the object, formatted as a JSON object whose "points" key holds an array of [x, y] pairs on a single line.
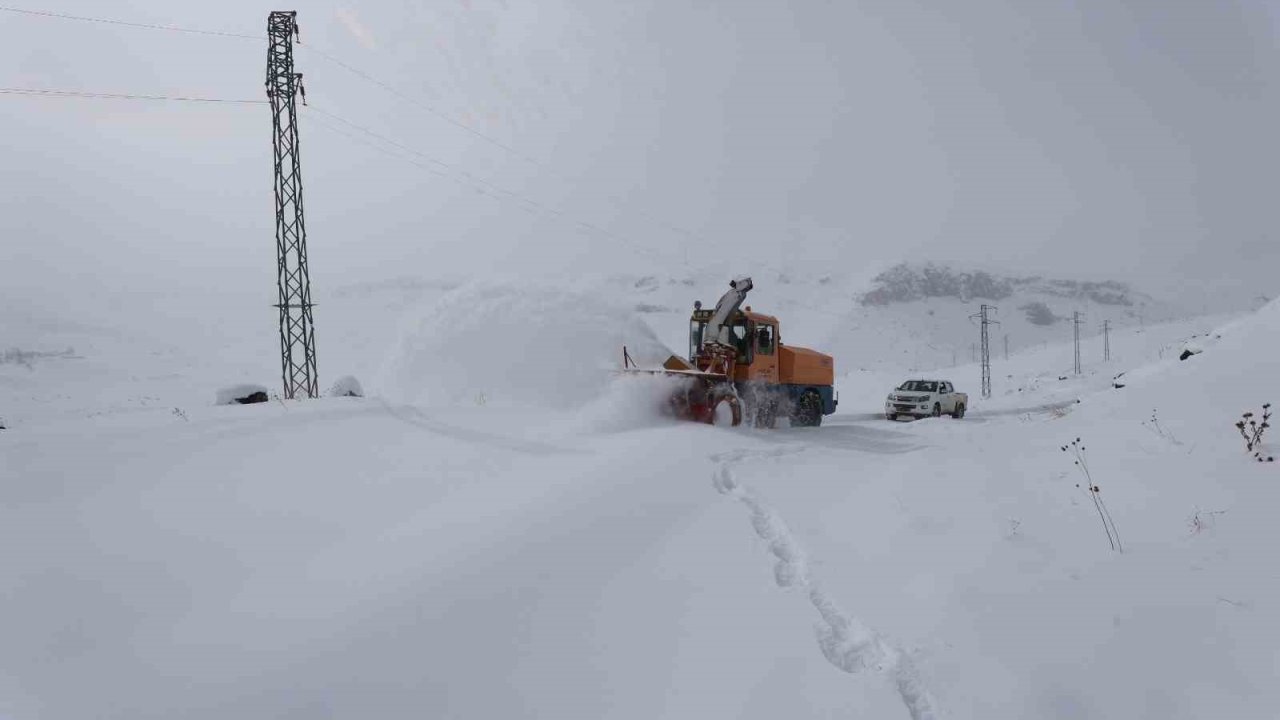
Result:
{"points": [[503, 529]]}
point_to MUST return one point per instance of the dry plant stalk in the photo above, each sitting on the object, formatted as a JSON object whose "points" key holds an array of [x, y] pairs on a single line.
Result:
{"points": [[1252, 431], [1077, 450]]}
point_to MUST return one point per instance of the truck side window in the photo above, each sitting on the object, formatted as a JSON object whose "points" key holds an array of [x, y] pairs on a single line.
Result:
{"points": [[696, 329], [764, 339]]}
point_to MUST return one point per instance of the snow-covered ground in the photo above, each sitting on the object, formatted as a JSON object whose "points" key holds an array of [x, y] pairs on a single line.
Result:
{"points": [[502, 528]]}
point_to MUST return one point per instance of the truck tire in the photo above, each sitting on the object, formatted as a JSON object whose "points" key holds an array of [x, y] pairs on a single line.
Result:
{"points": [[726, 411], [808, 411], [937, 409], [891, 417], [767, 413], [959, 411]]}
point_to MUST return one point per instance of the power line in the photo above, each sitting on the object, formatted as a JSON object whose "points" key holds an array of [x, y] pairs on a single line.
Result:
{"points": [[591, 227], [37, 92], [408, 158], [405, 156], [417, 103], [454, 173], [367, 143], [466, 177], [306, 47], [428, 158], [148, 26], [479, 134], [368, 78]]}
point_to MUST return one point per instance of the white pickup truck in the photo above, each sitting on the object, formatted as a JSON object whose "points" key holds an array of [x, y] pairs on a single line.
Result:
{"points": [[921, 398]]}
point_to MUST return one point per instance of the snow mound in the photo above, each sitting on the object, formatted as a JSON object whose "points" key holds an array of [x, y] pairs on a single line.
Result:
{"points": [[236, 394], [517, 345], [346, 386]]}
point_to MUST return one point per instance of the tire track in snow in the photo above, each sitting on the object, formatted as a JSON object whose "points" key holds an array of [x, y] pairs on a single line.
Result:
{"points": [[846, 642], [416, 417]]}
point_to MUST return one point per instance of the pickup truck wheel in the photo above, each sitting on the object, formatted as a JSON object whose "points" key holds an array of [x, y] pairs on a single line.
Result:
{"points": [[959, 411], [937, 409]]}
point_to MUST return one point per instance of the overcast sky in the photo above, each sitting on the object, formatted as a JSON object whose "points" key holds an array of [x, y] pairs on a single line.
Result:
{"points": [[1104, 138]]}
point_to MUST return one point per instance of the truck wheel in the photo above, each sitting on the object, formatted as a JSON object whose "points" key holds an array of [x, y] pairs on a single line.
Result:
{"points": [[808, 410], [726, 411], [891, 417], [937, 409], [766, 415], [959, 411]]}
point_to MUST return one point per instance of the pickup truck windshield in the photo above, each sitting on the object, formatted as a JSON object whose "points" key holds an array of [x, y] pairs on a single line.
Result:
{"points": [[919, 386]]}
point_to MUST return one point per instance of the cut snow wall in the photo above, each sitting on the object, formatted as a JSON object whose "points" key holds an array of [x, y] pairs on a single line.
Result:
{"points": [[506, 344], [235, 394]]}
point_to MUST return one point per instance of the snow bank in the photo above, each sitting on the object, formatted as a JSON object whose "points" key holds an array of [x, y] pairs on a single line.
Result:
{"points": [[233, 394], [346, 386], [1227, 365], [515, 345]]}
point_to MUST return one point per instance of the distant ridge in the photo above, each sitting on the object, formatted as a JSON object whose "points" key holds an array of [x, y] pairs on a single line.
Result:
{"points": [[906, 282]]}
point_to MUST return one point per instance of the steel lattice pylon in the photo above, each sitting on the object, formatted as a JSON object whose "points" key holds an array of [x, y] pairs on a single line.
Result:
{"points": [[985, 321], [1075, 321], [297, 329]]}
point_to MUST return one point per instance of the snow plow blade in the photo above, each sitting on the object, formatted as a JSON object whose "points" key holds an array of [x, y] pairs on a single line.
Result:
{"points": [[698, 396]]}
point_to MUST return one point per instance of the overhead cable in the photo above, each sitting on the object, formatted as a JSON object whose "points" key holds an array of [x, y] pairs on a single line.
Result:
{"points": [[148, 26], [39, 92]]}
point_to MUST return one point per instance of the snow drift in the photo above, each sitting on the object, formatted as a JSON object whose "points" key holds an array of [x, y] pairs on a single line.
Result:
{"points": [[238, 394], [511, 345], [346, 386]]}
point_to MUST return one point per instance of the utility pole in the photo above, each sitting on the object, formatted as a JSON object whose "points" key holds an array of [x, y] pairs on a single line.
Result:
{"points": [[1075, 322], [293, 281], [1106, 339], [985, 321], [1006, 347]]}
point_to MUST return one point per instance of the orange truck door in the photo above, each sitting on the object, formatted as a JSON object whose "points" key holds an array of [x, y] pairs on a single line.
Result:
{"points": [[764, 368]]}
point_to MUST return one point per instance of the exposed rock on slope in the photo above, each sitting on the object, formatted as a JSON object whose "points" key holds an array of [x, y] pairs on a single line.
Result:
{"points": [[906, 282]]}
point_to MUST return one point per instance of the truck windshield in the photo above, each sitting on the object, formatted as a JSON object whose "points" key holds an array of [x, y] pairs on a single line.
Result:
{"points": [[696, 329], [737, 337], [919, 386]]}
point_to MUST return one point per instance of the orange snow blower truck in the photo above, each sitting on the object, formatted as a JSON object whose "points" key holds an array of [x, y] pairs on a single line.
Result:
{"points": [[738, 366]]}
